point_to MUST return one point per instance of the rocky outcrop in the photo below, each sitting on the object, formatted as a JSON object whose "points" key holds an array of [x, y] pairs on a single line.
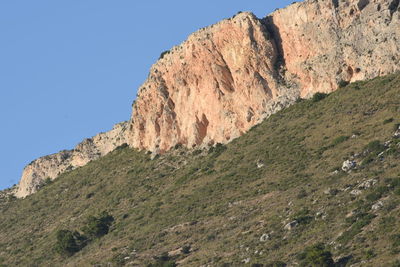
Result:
{"points": [[228, 77], [210, 89], [51, 166], [323, 43]]}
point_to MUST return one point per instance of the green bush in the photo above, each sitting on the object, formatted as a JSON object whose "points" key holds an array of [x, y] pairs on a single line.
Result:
{"points": [[69, 242], [396, 263], [303, 216], [388, 121], [163, 54], [164, 260], [343, 83], [369, 254], [186, 250], [316, 256], [217, 150], [45, 182], [318, 97], [276, 264], [358, 223], [98, 226], [377, 193], [340, 139], [375, 147]]}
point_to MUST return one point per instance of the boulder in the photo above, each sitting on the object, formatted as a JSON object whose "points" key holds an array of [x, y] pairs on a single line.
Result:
{"points": [[265, 238], [291, 225], [348, 165]]}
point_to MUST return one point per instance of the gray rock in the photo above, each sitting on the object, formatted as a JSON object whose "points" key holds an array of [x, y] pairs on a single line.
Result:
{"points": [[245, 261], [291, 225], [355, 192], [265, 238], [348, 165], [367, 184], [260, 164], [377, 206]]}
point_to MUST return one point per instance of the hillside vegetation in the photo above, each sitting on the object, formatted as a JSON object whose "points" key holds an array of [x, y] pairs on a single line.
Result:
{"points": [[277, 195]]}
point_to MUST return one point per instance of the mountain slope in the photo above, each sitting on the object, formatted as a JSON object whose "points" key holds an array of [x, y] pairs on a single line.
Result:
{"points": [[232, 204]]}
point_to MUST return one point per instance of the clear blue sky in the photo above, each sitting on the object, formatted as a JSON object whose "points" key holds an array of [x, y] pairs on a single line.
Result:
{"points": [[70, 69]]}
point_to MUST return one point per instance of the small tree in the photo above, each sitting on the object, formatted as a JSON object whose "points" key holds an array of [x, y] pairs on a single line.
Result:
{"points": [[318, 97], [98, 226], [164, 260], [68, 242], [316, 256]]}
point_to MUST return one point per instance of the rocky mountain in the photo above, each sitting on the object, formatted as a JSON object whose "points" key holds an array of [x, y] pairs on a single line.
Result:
{"points": [[227, 78], [315, 184]]}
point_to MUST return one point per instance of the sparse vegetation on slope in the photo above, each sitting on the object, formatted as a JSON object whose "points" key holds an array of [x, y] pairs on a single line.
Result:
{"points": [[278, 195]]}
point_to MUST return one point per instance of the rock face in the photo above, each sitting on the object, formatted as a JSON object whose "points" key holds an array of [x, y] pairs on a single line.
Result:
{"points": [[228, 77], [325, 42], [53, 165], [210, 89]]}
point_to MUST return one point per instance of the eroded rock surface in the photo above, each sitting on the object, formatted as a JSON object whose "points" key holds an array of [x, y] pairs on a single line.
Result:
{"points": [[53, 165], [228, 77], [325, 42]]}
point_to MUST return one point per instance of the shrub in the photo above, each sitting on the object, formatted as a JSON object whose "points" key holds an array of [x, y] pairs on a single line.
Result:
{"points": [[98, 226], [318, 97], [395, 240], [316, 256], [178, 146], [358, 223], [375, 146], [340, 139], [369, 254], [163, 54], [343, 83], [164, 260], [388, 121], [396, 263], [299, 100], [121, 147], [303, 217], [69, 242], [217, 150], [186, 250], [302, 193], [276, 264], [44, 183], [196, 152], [367, 160], [377, 193]]}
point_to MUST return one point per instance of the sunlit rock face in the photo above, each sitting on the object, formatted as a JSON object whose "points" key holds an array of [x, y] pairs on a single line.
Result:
{"points": [[210, 89], [36, 172], [228, 77], [325, 42]]}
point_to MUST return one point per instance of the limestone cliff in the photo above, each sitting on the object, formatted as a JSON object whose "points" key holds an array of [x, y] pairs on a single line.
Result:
{"points": [[53, 165], [212, 88], [322, 43], [226, 78]]}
